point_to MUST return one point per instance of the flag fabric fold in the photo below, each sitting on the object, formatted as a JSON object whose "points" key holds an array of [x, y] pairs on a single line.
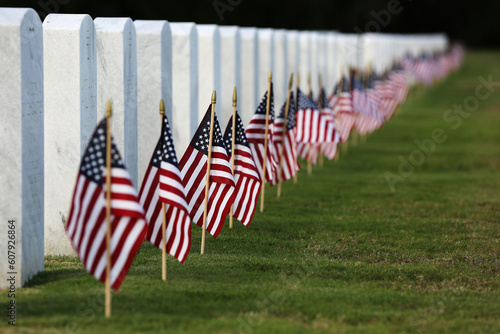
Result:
{"points": [[193, 167], [246, 174], [86, 226], [163, 184]]}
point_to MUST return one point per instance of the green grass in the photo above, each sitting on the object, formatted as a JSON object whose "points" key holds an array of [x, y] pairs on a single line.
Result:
{"points": [[338, 253]]}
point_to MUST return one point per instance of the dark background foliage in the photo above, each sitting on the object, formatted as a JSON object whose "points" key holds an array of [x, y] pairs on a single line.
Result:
{"points": [[475, 23]]}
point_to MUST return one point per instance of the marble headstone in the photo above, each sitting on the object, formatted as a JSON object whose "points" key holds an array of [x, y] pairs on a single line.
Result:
{"points": [[117, 81], [70, 81], [184, 84], [21, 153], [154, 82]]}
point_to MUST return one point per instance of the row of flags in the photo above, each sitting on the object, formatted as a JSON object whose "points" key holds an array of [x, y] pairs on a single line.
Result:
{"points": [[174, 193]]}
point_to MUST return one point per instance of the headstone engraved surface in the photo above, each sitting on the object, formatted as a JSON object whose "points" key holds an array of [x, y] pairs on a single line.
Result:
{"points": [[154, 82], [70, 84], [21, 153], [185, 87], [117, 81]]}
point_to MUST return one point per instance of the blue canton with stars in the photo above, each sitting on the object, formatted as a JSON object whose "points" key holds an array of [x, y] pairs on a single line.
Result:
{"points": [[241, 138], [261, 109], [303, 102], [93, 162], [165, 150], [201, 138], [290, 122]]}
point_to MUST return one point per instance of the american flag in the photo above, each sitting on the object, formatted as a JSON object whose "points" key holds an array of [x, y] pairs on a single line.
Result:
{"points": [[329, 150], [256, 135], [287, 155], [194, 171], [364, 107], [343, 111], [246, 174], [163, 184], [312, 127], [387, 92], [86, 225]]}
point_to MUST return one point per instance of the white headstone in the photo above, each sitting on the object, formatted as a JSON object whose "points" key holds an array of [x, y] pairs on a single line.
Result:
{"points": [[185, 84], [266, 54], [315, 62], [70, 80], [230, 72], [331, 63], [209, 68], [293, 54], [154, 82], [281, 74], [248, 95], [305, 65], [117, 81], [21, 153]]}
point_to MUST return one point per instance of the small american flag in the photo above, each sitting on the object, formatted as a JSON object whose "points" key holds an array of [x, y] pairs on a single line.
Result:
{"points": [[86, 225], [256, 135], [289, 165], [312, 126], [246, 174], [343, 111], [194, 171], [329, 150], [162, 184]]}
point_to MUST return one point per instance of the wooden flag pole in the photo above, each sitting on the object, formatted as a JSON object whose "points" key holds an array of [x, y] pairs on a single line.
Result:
{"points": [[209, 162], [164, 216], [287, 106], [268, 107], [309, 146], [321, 107], [235, 98], [107, 310], [295, 177]]}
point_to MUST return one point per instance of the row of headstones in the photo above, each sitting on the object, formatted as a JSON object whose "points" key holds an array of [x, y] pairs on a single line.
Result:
{"points": [[56, 77]]}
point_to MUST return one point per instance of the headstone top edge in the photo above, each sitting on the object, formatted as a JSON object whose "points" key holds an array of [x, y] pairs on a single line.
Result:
{"points": [[110, 24], [182, 28], [66, 21], [207, 29], [16, 15], [152, 27]]}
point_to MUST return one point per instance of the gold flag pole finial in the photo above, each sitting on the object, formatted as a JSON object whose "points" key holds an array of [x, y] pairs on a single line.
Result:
{"points": [[235, 97], [108, 109], [214, 97], [162, 107], [290, 83], [298, 79], [270, 77]]}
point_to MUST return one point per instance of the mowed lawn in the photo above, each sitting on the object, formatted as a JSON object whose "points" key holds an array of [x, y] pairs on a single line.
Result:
{"points": [[339, 252]]}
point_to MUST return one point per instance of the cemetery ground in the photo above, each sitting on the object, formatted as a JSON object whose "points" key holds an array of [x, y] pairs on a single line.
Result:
{"points": [[339, 252]]}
